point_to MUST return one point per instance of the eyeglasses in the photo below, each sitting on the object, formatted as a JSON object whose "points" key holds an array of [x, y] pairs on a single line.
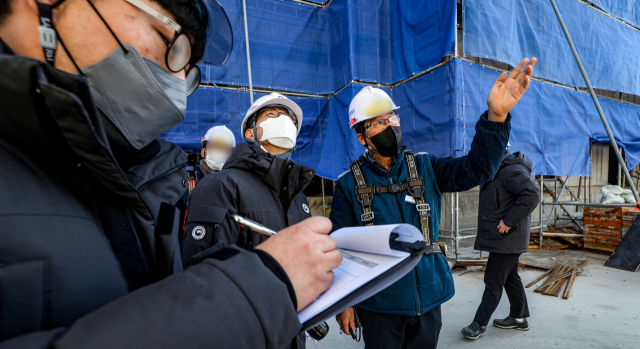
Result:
{"points": [[380, 124], [276, 112], [178, 53]]}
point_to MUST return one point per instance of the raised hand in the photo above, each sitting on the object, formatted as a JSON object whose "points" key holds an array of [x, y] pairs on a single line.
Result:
{"points": [[507, 91]]}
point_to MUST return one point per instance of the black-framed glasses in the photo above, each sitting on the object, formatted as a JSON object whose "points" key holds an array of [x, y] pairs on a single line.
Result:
{"points": [[277, 111], [178, 54], [380, 124]]}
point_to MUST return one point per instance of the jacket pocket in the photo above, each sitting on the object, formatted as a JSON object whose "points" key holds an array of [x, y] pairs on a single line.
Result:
{"points": [[490, 227], [22, 297]]}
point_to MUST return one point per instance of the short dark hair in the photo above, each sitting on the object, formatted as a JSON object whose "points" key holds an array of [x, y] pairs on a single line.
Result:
{"points": [[192, 21], [5, 10]]}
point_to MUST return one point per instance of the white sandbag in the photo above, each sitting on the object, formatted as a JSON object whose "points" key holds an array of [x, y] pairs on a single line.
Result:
{"points": [[628, 197], [612, 199], [611, 189]]}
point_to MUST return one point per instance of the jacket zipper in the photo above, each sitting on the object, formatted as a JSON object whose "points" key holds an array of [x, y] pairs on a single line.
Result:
{"points": [[414, 275], [157, 178]]}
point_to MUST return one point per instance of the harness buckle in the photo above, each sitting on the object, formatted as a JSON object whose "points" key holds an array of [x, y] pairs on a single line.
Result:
{"points": [[395, 188], [416, 190], [366, 217], [423, 208], [364, 194]]}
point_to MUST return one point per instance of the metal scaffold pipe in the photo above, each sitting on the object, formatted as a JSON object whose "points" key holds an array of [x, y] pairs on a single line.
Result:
{"points": [[246, 37], [595, 101]]}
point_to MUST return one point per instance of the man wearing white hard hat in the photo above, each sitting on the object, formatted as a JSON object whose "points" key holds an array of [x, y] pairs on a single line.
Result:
{"points": [[258, 181], [217, 145], [389, 184]]}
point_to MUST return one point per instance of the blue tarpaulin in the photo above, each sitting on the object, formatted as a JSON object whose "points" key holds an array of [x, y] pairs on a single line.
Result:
{"points": [[438, 112], [302, 48], [507, 30], [626, 10], [552, 125]]}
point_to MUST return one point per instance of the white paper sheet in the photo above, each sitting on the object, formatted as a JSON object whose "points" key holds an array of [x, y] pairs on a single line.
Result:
{"points": [[375, 239], [356, 269]]}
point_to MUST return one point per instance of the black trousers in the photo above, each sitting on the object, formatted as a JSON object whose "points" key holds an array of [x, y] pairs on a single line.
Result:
{"points": [[390, 331], [502, 272]]}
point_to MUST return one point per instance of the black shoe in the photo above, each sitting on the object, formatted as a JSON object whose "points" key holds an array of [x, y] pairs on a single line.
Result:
{"points": [[474, 331], [510, 322]]}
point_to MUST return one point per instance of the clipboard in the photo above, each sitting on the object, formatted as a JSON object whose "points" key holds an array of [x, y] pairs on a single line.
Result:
{"points": [[375, 285]]}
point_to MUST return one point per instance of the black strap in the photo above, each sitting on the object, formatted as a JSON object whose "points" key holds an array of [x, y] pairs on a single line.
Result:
{"points": [[46, 33], [415, 187], [364, 194], [120, 231]]}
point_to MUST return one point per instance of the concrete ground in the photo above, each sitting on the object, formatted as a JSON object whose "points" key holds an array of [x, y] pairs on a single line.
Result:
{"points": [[603, 311]]}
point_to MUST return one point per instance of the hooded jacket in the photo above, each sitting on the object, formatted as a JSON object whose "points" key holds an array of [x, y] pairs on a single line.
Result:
{"points": [[430, 283], [62, 282], [510, 196]]}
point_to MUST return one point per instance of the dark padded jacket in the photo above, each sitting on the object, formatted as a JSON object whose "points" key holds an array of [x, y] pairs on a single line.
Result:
{"points": [[510, 196], [61, 282], [253, 184]]}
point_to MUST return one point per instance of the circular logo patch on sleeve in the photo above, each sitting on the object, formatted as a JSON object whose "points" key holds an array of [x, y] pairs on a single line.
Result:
{"points": [[198, 232], [305, 208]]}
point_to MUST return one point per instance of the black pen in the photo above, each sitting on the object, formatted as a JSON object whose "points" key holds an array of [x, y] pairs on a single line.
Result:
{"points": [[257, 227]]}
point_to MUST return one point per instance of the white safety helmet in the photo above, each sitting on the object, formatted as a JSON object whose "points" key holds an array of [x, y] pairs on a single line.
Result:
{"points": [[220, 134], [369, 103], [272, 99]]}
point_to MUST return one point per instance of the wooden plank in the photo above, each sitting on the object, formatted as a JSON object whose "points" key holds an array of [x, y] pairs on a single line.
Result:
{"points": [[550, 280], [627, 255], [541, 277], [549, 286], [566, 292], [549, 260]]}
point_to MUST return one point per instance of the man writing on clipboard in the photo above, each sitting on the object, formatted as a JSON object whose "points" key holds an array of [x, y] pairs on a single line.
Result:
{"points": [[390, 185]]}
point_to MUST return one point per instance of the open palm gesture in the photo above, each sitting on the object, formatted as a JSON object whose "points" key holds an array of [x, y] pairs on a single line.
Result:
{"points": [[507, 91]]}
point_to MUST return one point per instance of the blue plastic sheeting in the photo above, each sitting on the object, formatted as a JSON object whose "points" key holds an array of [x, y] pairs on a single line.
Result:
{"points": [[552, 125], [325, 142], [626, 10], [508, 30], [307, 49]]}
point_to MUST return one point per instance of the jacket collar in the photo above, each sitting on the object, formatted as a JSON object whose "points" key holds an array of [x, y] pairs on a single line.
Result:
{"points": [[50, 117], [370, 162], [276, 173]]}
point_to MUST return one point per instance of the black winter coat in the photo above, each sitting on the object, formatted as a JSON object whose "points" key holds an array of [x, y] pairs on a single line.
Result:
{"points": [[62, 284], [510, 196], [253, 184]]}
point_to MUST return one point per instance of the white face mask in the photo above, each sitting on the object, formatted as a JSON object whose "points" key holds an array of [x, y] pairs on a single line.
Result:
{"points": [[215, 159], [279, 131]]}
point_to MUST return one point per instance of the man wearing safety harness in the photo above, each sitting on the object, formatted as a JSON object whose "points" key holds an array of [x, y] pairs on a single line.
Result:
{"points": [[390, 185], [258, 182]]}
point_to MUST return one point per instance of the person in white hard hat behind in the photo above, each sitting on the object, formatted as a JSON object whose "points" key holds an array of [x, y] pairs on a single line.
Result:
{"points": [[390, 184], [258, 181], [217, 145]]}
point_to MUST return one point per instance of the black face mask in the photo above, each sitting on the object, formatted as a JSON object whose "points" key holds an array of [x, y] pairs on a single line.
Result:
{"points": [[387, 142]]}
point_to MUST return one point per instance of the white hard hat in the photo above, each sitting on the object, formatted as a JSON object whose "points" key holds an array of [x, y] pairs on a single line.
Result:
{"points": [[369, 103], [220, 134], [272, 99]]}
